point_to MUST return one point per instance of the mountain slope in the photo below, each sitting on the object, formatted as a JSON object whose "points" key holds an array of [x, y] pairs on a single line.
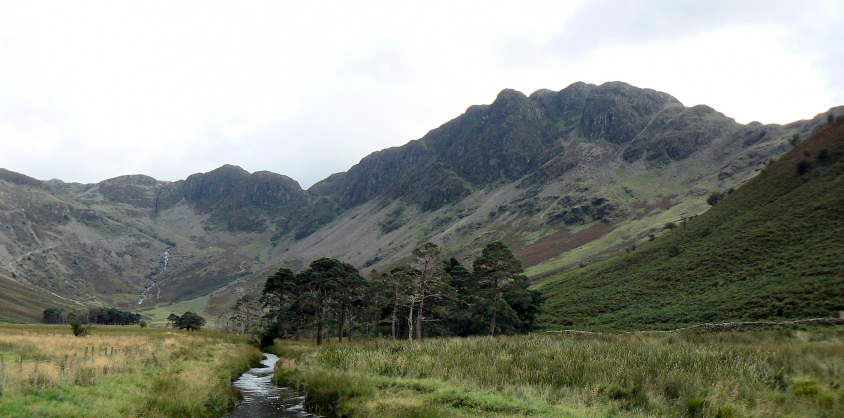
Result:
{"points": [[773, 249], [565, 178], [547, 173]]}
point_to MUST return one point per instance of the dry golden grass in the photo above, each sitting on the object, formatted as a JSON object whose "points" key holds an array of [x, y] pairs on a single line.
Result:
{"points": [[118, 371]]}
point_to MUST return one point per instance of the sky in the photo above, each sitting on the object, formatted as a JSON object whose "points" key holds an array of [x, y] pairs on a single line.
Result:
{"points": [[94, 90]]}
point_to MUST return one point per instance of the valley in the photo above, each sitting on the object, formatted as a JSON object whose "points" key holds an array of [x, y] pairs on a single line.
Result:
{"points": [[567, 179], [651, 235]]}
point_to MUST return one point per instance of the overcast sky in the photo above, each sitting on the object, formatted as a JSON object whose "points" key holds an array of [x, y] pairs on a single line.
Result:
{"points": [[93, 90]]}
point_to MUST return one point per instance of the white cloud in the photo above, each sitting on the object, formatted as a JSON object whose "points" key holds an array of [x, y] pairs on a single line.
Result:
{"points": [[92, 90]]}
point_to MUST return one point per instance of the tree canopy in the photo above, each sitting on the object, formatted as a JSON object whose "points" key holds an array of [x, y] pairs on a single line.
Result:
{"points": [[424, 298], [189, 321]]}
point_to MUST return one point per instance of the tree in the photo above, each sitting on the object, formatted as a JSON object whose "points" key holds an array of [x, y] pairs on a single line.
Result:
{"points": [[54, 316], [190, 321], [465, 313], [247, 311], [279, 290], [426, 256], [351, 290], [496, 272], [171, 320], [321, 280], [78, 324], [401, 285], [280, 295], [378, 286]]}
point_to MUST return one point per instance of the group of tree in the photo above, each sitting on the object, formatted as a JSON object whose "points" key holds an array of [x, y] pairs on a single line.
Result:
{"points": [[424, 298], [55, 316], [243, 318], [95, 316], [189, 321]]}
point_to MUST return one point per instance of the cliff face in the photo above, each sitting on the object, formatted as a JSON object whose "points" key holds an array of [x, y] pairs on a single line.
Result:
{"points": [[516, 135]]}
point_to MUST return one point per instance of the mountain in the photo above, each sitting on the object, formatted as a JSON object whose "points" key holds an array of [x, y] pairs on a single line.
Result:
{"points": [[770, 250], [566, 178], [550, 172]]}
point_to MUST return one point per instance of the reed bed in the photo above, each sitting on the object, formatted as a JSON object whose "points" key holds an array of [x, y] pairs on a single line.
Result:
{"points": [[761, 373], [118, 371]]}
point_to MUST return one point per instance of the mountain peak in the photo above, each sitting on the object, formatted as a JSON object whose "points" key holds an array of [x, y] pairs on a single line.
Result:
{"points": [[229, 170], [509, 98], [132, 179]]}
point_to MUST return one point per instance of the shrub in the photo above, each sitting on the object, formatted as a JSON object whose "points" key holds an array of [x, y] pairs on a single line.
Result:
{"points": [[803, 166], [77, 325], [695, 407], [823, 155], [714, 198]]}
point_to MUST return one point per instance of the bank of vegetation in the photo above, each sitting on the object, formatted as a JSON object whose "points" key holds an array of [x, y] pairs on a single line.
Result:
{"points": [[118, 371], [784, 372]]}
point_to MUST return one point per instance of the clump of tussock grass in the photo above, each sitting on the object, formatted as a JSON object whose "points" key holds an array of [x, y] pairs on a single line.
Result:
{"points": [[739, 373]]}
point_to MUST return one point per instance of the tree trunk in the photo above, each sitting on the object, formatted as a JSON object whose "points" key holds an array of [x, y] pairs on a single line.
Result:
{"points": [[319, 330], [342, 323], [395, 313], [351, 325], [419, 315], [410, 323], [394, 324], [377, 313], [494, 311]]}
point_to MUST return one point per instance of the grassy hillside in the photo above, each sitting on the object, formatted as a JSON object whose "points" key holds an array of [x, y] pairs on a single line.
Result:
{"points": [[23, 304], [773, 249]]}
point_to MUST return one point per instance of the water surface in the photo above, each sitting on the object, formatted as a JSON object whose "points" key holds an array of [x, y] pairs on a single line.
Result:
{"points": [[262, 398]]}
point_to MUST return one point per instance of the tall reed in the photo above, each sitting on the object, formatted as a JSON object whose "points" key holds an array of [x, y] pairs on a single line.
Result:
{"points": [[753, 373]]}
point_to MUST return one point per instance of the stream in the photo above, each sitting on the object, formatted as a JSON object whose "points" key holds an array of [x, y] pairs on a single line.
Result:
{"points": [[262, 398], [145, 292]]}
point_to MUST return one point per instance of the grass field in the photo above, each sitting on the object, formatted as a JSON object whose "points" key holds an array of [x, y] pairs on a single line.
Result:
{"points": [[758, 373], [118, 371]]}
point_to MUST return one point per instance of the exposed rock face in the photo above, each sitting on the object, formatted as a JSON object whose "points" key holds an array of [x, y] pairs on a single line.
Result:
{"points": [[233, 187], [136, 190], [236, 199], [517, 135]]}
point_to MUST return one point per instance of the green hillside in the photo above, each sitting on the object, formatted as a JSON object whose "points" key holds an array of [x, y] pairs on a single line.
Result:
{"points": [[773, 249], [23, 304]]}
